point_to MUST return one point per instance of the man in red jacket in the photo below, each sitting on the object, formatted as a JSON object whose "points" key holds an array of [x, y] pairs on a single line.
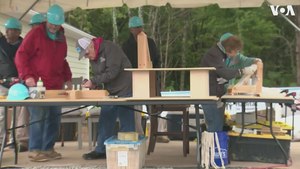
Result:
{"points": [[43, 55]]}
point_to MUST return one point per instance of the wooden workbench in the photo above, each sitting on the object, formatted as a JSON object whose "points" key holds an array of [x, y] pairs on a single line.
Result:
{"points": [[108, 101]]}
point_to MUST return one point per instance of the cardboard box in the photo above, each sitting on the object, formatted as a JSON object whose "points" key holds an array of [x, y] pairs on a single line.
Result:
{"points": [[122, 154]]}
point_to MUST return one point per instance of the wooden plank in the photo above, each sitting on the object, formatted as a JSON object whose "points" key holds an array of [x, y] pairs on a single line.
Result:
{"points": [[245, 87], [153, 87], [172, 98], [51, 94], [93, 94], [259, 78], [199, 83], [87, 94], [129, 136], [141, 84], [171, 69], [144, 59]]}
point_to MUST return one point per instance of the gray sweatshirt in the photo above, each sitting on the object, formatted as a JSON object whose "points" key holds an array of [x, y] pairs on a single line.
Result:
{"points": [[109, 70]]}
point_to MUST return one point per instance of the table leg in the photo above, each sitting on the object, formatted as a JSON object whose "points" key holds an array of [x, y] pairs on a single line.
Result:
{"points": [[293, 123], [4, 134], [13, 130], [274, 137], [198, 127], [243, 118]]}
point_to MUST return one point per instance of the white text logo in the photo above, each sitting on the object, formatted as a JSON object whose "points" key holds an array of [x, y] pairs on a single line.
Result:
{"points": [[285, 10]]}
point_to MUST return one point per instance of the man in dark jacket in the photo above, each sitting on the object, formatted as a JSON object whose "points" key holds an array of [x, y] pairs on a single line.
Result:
{"points": [[130, 47], [9, 45], [108, 62], [216, 57]]}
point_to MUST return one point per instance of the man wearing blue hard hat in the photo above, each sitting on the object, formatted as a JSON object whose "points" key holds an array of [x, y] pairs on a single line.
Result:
{"points": [[22, 115], [9, 44], [130, 47], [229, 64], [36, 20], [43, 55]]}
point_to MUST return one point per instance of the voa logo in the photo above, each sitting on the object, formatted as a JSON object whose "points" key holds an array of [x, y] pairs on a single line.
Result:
{"points": [[285, 10]]}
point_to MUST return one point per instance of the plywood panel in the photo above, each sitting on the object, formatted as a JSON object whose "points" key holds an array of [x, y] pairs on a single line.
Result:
{"points": [[141, 84], [144, 59], [199, 83]]}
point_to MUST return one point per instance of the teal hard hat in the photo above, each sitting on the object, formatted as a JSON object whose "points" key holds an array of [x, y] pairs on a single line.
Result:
{"points": [[36, 19], [18, 91], [135, 21], [225, 36], [55, 15], [13, 23]]}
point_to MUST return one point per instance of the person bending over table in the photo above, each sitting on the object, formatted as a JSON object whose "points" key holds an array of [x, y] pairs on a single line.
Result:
{"points": [[219, 56], [108, 62], [239, 61]]}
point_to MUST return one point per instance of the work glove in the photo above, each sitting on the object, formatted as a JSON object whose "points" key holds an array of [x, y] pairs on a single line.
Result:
{"points": [[221, 80], [249, 70]]}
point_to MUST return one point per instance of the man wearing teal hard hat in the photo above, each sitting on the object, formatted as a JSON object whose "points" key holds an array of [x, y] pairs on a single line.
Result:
{"points": [[9, 44], [130, 47], [42, 55], [36, 20]]}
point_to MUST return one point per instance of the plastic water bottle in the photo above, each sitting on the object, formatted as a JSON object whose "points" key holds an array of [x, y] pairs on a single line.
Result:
{"points": [[41, 89]]}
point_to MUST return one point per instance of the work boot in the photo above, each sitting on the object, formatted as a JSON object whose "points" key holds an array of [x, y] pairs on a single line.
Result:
{"points": [[40, 157], [34, 153], [93, 155], [162, 139], [53, 155]]}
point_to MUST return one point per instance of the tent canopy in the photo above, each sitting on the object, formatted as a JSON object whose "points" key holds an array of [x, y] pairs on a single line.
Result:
{"points": [[18, 7]]}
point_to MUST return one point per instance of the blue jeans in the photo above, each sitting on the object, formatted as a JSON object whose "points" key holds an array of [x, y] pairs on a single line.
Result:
{"points": [[43, 134], [214, 117], [107, 121]]}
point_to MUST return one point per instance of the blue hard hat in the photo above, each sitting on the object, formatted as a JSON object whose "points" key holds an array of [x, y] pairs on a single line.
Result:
{"points": [[13, 23], [36, 19], [135, 21], [18, 91], [56, 15], [225, 36]]}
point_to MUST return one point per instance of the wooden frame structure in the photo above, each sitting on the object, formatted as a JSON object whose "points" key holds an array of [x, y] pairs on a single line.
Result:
{"points": [[249, 84], [144, 78], [199, 81]]}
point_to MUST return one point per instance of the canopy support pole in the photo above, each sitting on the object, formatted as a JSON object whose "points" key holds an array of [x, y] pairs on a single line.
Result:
{"points": [[289, 21]]}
